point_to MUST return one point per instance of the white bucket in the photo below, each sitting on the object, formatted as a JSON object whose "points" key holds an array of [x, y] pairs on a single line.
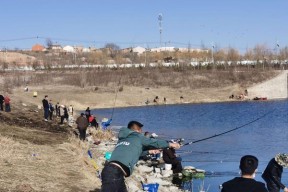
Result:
{"points": [[168, 167]]}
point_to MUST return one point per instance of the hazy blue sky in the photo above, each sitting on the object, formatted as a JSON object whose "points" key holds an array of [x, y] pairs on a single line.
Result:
{"points": [[237, 23]]}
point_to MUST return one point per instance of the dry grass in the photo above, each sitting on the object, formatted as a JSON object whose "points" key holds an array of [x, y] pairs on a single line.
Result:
{"points": [[46, 168]]}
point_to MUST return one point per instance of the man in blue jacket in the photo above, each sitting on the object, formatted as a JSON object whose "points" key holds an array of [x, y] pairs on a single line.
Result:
{"points": [[126, 154]]}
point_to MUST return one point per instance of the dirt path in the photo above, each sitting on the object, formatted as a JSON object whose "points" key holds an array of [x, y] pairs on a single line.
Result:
{"points": [[275, 88]]}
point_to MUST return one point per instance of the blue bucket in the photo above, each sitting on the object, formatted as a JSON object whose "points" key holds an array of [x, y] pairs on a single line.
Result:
{"points": [[150, 187]]}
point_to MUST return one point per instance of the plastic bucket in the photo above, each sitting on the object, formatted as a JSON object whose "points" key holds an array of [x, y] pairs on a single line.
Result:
{"points": [[168, 167]]}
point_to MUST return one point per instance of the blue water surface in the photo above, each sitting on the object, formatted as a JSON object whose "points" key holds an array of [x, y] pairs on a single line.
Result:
{"points": [[220, 156]]}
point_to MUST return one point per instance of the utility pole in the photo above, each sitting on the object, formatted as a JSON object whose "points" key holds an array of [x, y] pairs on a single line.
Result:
{"points": [[212, 52], [160, 19]]}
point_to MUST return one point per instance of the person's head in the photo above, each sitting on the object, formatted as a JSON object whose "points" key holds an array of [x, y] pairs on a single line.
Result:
{"points": [[135, 126], [248, 165], [46, 97], [82, 114], [88, 108], [282, 159], [147, 134]]}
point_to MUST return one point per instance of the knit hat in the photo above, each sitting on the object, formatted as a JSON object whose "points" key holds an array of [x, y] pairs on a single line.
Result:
{"points": [[282, 159], [248, 164]]}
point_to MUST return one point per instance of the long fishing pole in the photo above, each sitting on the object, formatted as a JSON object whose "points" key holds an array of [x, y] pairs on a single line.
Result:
{"points": [[116, 94], [207, 152], [231, 130]]}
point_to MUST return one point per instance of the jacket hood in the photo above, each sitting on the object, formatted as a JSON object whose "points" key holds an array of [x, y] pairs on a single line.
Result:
{"points": [[124, 133]]}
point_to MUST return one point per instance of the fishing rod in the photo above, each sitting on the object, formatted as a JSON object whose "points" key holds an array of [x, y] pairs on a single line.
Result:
{"points": [[207, 152], [116, 94], [231, 130]]}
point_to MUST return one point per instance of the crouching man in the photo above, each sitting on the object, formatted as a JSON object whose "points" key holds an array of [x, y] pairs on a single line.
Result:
{"points": [[245, 183], [126, 154]]}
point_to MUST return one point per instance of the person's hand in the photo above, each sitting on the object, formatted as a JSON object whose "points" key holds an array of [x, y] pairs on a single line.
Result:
{"points": [[154, 151], [174, 145], [285, 189]]}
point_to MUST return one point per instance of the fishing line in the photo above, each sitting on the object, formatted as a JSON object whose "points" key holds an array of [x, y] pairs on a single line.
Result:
{"points": [[116, 93], [206, 152], [231, 130]]}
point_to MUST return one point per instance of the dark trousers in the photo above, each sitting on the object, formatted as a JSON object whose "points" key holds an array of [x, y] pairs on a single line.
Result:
{"points": [[51, 115], [46, 113], [82, 133], [1, 106], [7, 108], [62, 119], [113, 179]]}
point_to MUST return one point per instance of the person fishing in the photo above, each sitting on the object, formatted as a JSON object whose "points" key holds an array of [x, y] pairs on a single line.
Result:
{"points": [[170, 157], [126, 154], [273, 173], [245, 183]]}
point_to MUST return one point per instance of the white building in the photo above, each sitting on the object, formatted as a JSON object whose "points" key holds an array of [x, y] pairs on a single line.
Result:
{"points": [[139, 50], [86, 50], [69, 49]]}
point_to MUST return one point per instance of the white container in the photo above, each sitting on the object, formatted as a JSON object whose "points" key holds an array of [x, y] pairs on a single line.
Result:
{"points": [[168, 167]]}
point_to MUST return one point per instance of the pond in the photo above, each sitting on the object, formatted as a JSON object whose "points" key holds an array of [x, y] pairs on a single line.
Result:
{"points": [[219, 156]]}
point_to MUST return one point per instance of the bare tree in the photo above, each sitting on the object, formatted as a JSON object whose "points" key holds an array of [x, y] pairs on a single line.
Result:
{"points": [[49, 43], [113, 49]]}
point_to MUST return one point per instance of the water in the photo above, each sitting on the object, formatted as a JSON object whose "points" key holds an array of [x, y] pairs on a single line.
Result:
{"points": [[264, 138]]}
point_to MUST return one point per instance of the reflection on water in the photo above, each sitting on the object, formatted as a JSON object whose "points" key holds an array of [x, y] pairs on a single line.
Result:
{"points": [[264, 138]]}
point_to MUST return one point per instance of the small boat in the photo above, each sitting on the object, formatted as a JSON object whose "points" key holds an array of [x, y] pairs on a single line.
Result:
{"points": [[260, 99]]}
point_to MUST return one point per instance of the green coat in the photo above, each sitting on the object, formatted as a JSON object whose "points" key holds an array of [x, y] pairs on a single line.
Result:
{"points": [[130, 147]]}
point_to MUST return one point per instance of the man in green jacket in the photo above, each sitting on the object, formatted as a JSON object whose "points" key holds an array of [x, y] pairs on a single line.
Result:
{"points": [[126, 154]]}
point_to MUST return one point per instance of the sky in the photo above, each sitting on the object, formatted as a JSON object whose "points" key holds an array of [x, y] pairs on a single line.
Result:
{"points": [[225, 23]]}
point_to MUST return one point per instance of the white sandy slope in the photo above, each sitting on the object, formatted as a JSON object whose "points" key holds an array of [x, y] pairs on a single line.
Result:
{"points": [[275, 88]]}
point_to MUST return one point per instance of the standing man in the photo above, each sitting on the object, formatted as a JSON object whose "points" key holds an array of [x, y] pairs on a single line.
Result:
{"points": [[82, 124], [245, 183], [71, 110], [46, 107], [51, 110], [57, 109], [273, 173], [1, 102], [126, 154], [7, 101]]}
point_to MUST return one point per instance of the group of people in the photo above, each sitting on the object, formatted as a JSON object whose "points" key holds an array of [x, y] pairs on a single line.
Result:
{"points": [[57, 110], [5, 103], [132, 145], [272, 176], [85, 120]]}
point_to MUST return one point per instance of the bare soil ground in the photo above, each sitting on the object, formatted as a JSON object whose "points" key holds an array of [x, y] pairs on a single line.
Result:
{"points": [[40, 156]]}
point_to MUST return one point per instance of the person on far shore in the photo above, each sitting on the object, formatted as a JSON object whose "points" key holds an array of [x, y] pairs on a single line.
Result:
{"points": [[1, 102], [57, 109], [51, 110], [273, 173], [66, 114], [46, 107], [62, 114], [7, 101], [82, 124], [88, 112], [71, 110], [245, 183]]}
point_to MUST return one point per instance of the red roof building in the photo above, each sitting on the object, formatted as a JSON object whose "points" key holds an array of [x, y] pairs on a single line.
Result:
{"points": [[38, 47]]}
